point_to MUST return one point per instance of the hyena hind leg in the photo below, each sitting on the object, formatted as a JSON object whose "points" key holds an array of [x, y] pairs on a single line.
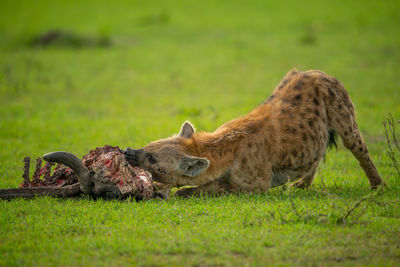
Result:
{"points": [[347, 128], [342, 120], [355, 143]]}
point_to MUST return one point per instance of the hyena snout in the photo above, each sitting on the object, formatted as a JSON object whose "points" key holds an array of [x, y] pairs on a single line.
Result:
{"points": [[133, 155]]}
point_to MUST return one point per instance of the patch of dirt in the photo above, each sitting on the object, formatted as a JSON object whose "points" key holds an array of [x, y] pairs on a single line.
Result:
{"points": [[158, 18], [63, 38]]}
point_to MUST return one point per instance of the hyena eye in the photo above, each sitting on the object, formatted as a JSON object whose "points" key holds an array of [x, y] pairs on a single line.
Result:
{"points": [[151, 159]]}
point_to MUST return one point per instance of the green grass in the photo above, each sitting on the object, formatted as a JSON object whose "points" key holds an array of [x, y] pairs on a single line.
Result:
{"points": [[207, 62]]}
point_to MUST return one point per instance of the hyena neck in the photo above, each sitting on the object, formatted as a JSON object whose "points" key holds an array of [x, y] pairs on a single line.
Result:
{"points": [[219, 148]]}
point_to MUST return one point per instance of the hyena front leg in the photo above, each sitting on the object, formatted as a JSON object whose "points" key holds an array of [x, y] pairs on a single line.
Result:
{"points": [[217, 187], [308, 178]]}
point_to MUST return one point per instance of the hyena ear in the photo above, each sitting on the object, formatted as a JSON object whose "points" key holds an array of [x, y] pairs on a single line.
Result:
{"points": [[192, 166], [187, 130]]}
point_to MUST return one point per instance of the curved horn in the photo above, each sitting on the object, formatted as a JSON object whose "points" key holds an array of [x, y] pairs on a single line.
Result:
{"points": [[72, 161]]}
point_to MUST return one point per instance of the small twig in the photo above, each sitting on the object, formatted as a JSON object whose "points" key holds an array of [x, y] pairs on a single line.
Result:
{"points": [[324, 188], [392, 129], [326, 192], [343, 219], [349, 212], [389, 126]]}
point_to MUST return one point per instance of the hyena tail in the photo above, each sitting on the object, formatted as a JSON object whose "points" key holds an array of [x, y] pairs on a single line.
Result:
{"points": [[332, 139]]}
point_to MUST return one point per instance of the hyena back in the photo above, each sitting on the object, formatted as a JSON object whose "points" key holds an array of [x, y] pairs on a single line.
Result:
{"points": [[282, 140]]}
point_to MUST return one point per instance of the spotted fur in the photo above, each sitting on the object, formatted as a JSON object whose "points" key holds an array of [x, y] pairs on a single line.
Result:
{"points": [[282, 140]]}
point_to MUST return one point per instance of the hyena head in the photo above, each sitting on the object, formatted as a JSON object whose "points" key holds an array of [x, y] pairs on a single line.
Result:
{"points": [[170, 160]]}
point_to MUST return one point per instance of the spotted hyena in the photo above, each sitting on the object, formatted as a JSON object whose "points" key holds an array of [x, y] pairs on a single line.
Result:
{"points": [[282, 140]]}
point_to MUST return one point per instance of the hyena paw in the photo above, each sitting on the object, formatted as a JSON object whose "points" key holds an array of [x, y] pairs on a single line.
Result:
{"points": [[300, 184], [186, 192]]}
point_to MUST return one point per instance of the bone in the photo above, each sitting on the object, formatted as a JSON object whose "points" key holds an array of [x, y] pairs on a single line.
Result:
{"points": [[66, 191], [36, 175], [72, 161], [47, 172], [27, 165]]}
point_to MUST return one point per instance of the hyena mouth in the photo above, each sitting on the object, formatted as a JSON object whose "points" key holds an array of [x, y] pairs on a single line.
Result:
{"points": [[131, 156]]}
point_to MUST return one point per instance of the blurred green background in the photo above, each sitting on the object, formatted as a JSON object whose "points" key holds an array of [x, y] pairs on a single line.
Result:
{"points": [[169, 61], [129, 72]]}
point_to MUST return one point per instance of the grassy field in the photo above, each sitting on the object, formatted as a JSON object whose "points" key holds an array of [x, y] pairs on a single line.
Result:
{"points": [[160, 63]]}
